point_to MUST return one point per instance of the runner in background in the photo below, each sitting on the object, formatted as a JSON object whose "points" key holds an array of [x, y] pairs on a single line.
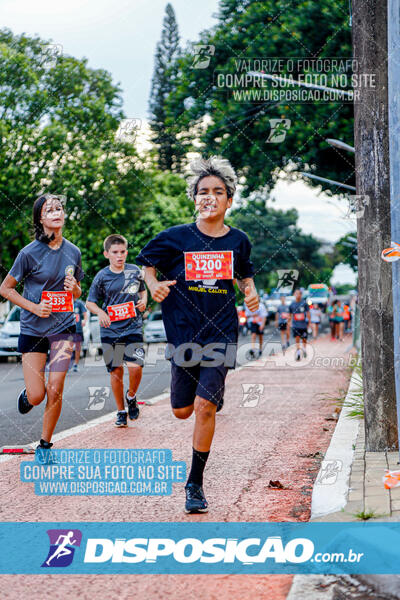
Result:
{"points": [[315, 318], [242, 321], [197, 263], [299, 319], [257, 320], [50, 269], [332, 324], [339, 320], [346, 318], [120, 290], [81, 317], [281, 322]]}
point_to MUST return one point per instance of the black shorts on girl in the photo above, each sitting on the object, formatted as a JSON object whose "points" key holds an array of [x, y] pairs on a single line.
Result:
{"points": [[32, 343]]}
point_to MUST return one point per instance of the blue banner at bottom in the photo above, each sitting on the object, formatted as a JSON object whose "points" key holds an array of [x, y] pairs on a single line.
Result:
{"points": [[197, 548]]}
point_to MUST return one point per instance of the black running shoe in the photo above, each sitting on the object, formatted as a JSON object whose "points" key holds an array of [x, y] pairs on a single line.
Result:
{"points": [[133, 409], [298, 354], [122, 419], [44, 445], [195, 500], [22, 403]]}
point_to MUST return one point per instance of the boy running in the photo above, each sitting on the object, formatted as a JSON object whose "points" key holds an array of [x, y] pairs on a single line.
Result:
{"points": [[120, 290], [281, 322], [197, 263], [299, 319], [257, 321]]}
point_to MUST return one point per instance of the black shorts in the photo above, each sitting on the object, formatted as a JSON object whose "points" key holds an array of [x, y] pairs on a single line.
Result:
{"points": [[127, 348], [78, 338], [255, 328], [302, 333], [282, 326], [32, 343], [189, 382]]}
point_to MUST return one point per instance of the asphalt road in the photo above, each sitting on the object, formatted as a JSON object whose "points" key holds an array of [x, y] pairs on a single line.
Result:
{"points": [[80, 389]]}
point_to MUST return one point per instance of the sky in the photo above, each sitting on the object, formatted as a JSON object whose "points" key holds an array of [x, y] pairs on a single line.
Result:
{"points": [[120, 36]]}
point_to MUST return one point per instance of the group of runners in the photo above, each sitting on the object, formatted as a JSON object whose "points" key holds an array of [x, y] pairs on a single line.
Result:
{"points": [[190, 269], [340, 318], [296, 317]]}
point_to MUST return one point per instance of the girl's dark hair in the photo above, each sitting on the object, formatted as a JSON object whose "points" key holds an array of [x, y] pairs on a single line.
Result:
{"points": [[37, 214]]}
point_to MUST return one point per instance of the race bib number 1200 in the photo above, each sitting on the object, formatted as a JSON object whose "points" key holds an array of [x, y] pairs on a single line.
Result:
{"points": [[60, 301], [209, 265], [120, 312]]}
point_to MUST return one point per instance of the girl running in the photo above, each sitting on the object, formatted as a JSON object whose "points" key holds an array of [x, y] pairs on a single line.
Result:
{"points": [[316, 316], [50, 269]]}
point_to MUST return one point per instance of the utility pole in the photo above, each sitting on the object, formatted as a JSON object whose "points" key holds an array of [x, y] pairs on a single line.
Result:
{"points": [[371, 137]]}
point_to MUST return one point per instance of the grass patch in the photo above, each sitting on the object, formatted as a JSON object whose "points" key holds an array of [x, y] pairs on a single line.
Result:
{"points": [[365, 516]]}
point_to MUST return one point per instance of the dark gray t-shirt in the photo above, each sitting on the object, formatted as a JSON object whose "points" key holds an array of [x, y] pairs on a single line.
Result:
{"points": [[116, 288], [283, 313], [299, 311], [41, 268], [80, 311]]}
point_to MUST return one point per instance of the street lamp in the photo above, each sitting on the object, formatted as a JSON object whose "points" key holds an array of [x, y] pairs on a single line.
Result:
{"points": [[329, 181], [341, 145]]}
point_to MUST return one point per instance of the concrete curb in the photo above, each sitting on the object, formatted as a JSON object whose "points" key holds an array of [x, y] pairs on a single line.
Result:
{"points": [[329, 497]]}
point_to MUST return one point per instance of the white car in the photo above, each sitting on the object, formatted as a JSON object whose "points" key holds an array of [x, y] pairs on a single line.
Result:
{"points": [[9, 333], [154, 330]]}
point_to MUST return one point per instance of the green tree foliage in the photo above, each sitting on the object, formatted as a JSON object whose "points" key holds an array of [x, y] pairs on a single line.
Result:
{"points": [[278, 243], [239, 130], [163, 83], [58, 134], [345, 251]]}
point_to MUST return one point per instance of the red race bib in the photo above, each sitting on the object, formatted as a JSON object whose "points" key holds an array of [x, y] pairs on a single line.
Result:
{"points": [[60, 301], [208, 265], [120, 312], [284, 315], [299, 316]]}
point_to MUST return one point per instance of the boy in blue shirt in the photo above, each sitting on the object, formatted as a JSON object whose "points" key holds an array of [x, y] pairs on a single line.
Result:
{"points": [[121, 291], [198, 263]]}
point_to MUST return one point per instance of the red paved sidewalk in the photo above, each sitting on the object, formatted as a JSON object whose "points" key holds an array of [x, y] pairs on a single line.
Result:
{"points": [[277, 439]]}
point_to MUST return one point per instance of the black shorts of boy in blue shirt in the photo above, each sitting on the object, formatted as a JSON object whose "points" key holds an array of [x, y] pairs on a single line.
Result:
{"points": [[118, 296], [198, 263]]}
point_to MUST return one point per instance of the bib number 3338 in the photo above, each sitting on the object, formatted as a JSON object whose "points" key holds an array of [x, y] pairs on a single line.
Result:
{"points": [[209, 265], [60, 301]]}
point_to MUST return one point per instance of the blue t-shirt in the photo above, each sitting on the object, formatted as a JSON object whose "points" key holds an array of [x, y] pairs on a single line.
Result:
{"points": [[299, 311], [283, 313], [110, 288], [201, 312], [41, 268]]}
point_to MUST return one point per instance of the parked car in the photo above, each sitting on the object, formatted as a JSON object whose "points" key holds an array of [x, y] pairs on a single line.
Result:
{"points": [[154, 330], [9, 333]]}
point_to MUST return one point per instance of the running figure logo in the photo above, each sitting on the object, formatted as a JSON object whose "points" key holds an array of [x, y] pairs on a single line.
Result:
{"points": [[62, 547], [329, 472], [287, 278], [252, 393], [202, 55], [97, 397], [279, 128]]}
